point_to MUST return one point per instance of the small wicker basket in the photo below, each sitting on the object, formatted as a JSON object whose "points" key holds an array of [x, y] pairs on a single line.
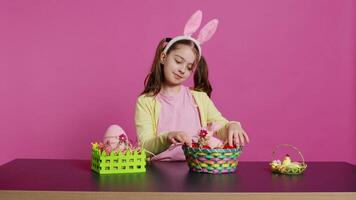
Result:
{"points": [[214, 161], [293, 168]]}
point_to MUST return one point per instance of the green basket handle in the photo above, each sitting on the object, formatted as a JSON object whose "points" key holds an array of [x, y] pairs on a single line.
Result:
{"points": [[288, 145]]}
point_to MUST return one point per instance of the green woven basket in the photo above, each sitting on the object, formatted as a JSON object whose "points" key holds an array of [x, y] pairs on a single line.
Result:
{"points": [[214, 161], [117, 163], [295, 168]]}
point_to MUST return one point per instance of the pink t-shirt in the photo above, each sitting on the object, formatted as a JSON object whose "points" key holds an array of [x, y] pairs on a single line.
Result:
{"points": [[178, 113]]}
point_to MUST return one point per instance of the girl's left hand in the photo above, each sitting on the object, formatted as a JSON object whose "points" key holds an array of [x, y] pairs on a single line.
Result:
{"points": [[236, 135]]}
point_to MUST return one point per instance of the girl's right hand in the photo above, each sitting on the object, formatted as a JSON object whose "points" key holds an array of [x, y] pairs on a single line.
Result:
{"points": [[179, 137]]}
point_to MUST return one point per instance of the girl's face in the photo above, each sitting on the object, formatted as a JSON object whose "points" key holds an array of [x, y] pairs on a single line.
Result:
{"points": [[178, 64]]}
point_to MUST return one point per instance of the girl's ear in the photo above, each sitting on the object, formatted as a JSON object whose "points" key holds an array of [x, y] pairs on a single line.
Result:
{"points": [[162, 58]]}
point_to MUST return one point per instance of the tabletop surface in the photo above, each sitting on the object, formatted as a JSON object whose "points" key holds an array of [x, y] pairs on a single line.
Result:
{"points": [[76, 175]]}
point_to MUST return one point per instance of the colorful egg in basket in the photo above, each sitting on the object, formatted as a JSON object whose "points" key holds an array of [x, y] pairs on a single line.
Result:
{"points": [[214, 161], [287, 166]]}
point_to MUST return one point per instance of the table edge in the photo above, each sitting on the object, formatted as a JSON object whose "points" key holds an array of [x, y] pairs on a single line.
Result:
{"points": [[60, 195]]}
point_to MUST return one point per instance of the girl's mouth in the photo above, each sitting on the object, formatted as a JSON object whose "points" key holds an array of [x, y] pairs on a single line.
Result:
{"points": [[177, 76]]}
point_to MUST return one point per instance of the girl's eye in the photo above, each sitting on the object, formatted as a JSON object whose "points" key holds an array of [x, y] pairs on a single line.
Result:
{"points": [[178, 61], [190, 68]]}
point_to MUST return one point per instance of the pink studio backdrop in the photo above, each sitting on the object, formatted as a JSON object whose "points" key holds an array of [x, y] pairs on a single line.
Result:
{"points": [[285, 69]]}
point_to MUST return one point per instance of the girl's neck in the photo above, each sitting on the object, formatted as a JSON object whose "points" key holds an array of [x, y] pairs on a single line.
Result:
{"points": [[168, 90]]}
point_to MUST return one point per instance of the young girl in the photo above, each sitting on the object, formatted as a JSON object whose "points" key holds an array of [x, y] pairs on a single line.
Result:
{"points": [[167, 112]]}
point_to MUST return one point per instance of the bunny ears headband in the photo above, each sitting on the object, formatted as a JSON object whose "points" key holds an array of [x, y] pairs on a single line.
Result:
{"points": [[191, 27]]}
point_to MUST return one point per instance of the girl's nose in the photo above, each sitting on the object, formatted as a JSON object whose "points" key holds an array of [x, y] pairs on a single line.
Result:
{"points": [[181, 70]]}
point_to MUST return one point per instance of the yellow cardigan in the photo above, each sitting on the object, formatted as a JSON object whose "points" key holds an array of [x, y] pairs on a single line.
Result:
{"points": [[148, 111]]}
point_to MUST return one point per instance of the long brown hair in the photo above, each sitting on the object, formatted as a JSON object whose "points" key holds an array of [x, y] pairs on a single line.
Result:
{"points": [[155, 78]]}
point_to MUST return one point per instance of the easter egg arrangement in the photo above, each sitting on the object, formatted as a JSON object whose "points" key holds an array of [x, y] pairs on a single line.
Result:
{"points": [[287, 166], [209, 155], [116, 154]]}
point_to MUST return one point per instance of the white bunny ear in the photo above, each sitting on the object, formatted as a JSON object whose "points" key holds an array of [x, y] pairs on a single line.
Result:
{"points": [[208, 31], [193, 23]]}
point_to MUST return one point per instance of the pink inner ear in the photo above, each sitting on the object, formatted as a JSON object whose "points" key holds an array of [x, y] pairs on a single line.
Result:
{"points": [[208, 31], [193, 23]]}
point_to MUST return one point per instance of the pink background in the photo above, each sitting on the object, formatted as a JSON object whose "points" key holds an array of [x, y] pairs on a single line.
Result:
{"points": [[285, 69]]}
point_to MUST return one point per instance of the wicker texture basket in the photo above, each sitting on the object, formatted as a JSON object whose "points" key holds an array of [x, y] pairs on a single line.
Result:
{"points": [[214, 161], [293, 168]]}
